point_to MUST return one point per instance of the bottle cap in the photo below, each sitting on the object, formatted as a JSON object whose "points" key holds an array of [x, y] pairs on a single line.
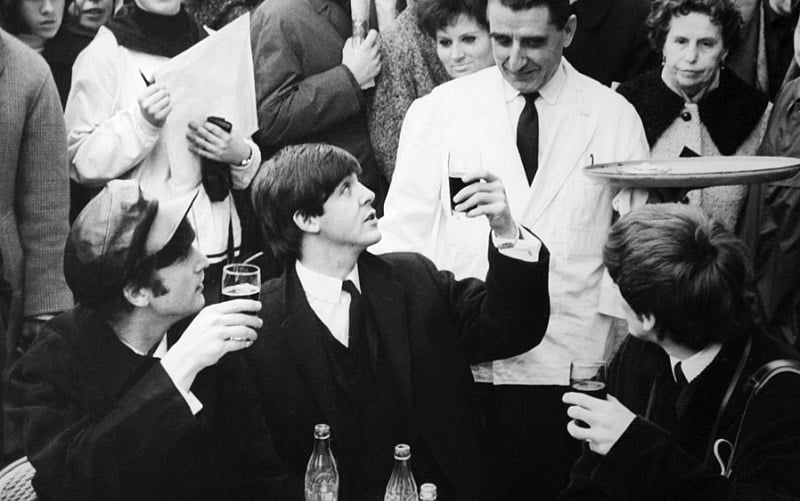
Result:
{"points": [[322, 431], [402, 451], [427, 491]]}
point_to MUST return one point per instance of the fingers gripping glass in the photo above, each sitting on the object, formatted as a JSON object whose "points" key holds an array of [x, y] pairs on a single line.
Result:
{"points": [[589, 377]]}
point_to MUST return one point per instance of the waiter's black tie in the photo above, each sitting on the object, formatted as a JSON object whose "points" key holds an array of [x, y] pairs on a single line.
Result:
{"points": [[528, 136]]}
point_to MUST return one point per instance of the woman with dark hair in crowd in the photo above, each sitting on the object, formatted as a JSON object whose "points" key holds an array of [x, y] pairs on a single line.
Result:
{"points": [[431, 42], [693, 105], [115, 114], [34, 22]]}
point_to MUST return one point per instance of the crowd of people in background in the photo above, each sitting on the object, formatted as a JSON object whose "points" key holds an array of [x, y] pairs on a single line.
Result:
{"points": [[382, 313]]}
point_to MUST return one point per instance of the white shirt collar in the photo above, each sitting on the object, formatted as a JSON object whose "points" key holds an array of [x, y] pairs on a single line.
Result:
{"points": [[323, 287], [161, 349], [694, 365], [549, 92]]}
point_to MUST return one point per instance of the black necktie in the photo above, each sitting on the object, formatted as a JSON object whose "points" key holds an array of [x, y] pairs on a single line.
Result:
{"points": [[680, 377], [355, 312], [528, 136]]}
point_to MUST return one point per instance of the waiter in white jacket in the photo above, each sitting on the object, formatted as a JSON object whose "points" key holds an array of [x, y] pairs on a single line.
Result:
{"points": [[535, 122]]}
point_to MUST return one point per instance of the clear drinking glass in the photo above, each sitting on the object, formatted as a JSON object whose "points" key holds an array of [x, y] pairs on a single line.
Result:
{"points": [[588, 376], [241, 281], [459, 164]]}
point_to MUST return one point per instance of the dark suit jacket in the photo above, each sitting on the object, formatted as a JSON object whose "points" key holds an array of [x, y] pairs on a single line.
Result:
{"points": [[304, 94], [432, 328], [99, 422], [610, 43], [659, 461]]}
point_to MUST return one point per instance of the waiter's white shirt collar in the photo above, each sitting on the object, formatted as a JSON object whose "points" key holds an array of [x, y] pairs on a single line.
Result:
{"points": [[549, 92], [697, 363]]}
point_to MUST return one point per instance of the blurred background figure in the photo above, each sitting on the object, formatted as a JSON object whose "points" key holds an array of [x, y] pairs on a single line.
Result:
{"points": [[771, 225], [217, 13], [115, 114], [35, 22], [34, 200], [311, 80], [693, 105], [610, 43], [431, 42], [765, 49]]}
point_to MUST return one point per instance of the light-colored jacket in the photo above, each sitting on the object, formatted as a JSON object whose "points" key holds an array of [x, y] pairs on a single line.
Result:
{"points": [[109, 138], [567, 210]]}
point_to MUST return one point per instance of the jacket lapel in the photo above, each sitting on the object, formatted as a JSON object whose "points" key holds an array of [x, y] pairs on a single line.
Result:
{"points": [[558, 163], [385, 299], [302, 332]]}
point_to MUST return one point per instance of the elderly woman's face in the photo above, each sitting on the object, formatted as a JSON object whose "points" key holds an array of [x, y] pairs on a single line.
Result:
{"points": [[693, 51], [464, 47]]}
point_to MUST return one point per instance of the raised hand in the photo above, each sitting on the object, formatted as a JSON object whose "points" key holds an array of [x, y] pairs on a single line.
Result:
{"points": [[215, 331], [210, 141], [363, 60], [155, 105], [485, 195]]}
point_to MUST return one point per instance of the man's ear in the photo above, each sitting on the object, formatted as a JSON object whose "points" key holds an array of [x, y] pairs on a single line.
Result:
{"points": [[648, 321], [569, 30], [306, 223], [137, 296]]}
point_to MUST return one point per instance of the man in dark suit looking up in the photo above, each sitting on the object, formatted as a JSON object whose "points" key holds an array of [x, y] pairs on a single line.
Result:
{"points": [[395, 367]]}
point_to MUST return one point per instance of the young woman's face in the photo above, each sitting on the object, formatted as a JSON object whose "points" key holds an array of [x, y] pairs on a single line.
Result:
{"points": [[93, 13], [42, 17], [464, 47], [162, 7]]}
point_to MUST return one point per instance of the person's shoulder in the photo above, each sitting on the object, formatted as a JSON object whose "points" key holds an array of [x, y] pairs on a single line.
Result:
{"points": [[278, 11], [103, 46], [54, 345], [400, 265], [475, 87], [21, 61], [601, 96]]}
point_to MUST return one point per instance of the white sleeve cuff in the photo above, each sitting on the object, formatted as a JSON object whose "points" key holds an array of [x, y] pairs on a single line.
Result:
{"points": [[525, 247], [194, 404]]}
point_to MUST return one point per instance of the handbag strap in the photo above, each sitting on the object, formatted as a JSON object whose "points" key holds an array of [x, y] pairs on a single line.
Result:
{"points": [[755, 384], [737, 375]]}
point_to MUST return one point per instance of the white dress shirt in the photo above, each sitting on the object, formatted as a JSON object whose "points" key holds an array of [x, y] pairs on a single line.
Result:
{"points": [[330, 303]]}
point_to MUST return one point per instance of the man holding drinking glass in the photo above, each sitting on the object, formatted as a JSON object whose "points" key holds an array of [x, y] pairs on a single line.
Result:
{"points": [[109, 406], [678, 386], [379, 347]]}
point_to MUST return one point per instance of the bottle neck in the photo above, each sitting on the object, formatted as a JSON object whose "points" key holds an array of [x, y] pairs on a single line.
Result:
{"points": [[322, 445]]}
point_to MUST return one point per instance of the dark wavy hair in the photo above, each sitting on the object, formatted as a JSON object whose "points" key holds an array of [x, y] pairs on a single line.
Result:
{"points": [[434, 15], [723, 13], [297, 178], [560, 10], [11, 18], [143, 274], [674, 262]]}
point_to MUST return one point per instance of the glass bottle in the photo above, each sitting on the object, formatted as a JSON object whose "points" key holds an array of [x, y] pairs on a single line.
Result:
{"points": [[401, 486], [427, 492], [322, 476]]}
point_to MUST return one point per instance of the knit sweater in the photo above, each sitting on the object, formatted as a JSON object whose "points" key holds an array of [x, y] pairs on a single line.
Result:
{"points": [[729, 120], [410, 69]]}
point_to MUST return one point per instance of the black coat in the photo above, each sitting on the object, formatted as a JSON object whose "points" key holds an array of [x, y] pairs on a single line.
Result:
{"points": [[431, 328], [666, 460], [99, 422], [610, 42]]}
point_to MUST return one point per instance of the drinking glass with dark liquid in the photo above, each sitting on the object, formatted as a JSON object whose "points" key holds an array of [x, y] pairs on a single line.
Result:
{"points": [[589, 377], [241, 281], [459, 164]]}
